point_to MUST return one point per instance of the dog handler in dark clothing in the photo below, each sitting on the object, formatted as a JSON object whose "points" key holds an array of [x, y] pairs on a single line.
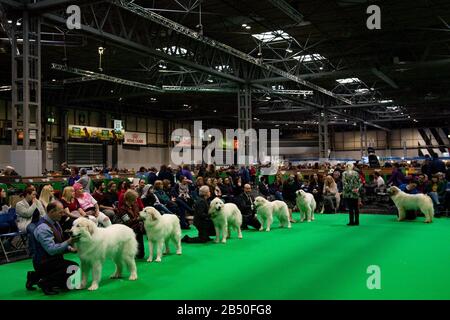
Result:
{"points": [[202, 220], [245, 203], [48, 259]]}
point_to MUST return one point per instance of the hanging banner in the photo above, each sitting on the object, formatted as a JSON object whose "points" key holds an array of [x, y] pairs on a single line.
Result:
{"points": [[136, 138], [95, 134]]}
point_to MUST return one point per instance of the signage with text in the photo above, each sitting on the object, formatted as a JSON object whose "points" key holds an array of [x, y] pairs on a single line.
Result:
{"points": [[137, 138]]}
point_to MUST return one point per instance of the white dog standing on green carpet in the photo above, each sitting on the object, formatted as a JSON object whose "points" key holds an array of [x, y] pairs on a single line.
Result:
{"points": [[225, 216], [266, 210]]}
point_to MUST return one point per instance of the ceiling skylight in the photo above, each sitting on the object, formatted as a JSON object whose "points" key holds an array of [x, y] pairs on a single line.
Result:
{"points": [[348, 80], [175, 51], [309, 57], [272, 36]]}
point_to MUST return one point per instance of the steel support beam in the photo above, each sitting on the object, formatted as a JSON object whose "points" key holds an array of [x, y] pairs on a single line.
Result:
{"points": [[152, 16], [244, 108], [288, 10], [26, 84]]}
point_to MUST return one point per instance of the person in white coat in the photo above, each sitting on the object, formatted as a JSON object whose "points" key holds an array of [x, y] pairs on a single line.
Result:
{"points": [[27, 207]]}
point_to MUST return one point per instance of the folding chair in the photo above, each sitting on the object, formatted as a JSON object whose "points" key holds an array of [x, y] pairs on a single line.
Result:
{"points": [[9, 219]]}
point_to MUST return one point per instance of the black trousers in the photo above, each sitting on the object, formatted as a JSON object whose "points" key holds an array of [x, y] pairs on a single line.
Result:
{"points": [[353, 210], [140, 240], [205, 231], [53, 273], [250, 221]]}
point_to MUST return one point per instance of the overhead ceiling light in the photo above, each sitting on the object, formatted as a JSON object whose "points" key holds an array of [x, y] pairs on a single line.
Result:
{"points": [[248, 27], [53, 80], [277, 125], [348, 80], [244, 25], [120, 99], [112, 91], [362, 90], [214, 110], [18, 23], [289, 50], [9, 21], [321, 68], [385, 101]]}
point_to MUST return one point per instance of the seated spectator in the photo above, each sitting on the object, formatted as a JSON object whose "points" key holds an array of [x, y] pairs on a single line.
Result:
{"points": [[263, 187], [74, 177], [185, 171], [331, 195], [4, 205], [237, 186], [227, 190], [140, 187], [152, 177], [245, 204], [149, 199], [123, 187], [276, 188], [166, 174], [85, 180], [410, 187], [104, 204], [129, 216], [72, 209], [142, 174], [46, 196], [180, 208], [65, 170], [202, 220], [397, 177], [90, 206], [28, 206], [380, 184], [316, 188], [199, 182], [48, 252], [436, 190], [181, 191]]}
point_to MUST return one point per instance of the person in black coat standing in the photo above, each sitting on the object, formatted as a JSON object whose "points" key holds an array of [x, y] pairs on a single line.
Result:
{"points": [[202, 220], [245, 203]]}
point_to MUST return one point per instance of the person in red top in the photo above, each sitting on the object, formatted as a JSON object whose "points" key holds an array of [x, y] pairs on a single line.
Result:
{"points": [[253, 174], [129, 215]]}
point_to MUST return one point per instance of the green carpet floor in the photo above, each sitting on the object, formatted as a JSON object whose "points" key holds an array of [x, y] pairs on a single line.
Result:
{"points": [[324, 259]]}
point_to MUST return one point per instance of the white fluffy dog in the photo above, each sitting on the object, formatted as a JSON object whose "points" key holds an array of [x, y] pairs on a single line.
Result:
{"points": [[306, 204], [225, 216], [266, 210], [94, 245], [160, 230], [404, 202]]}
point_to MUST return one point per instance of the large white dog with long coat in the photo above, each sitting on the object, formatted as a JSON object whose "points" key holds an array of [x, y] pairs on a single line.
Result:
{"points": [[94, 245], [161, 229], [266, 210], [404, 202], [225, 216], [306, 204]]}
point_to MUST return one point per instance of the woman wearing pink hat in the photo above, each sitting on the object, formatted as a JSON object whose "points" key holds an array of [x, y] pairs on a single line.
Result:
{"points": [[89, 205]]}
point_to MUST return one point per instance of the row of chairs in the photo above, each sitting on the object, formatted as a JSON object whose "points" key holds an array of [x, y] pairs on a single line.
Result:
{"points": [[11, 239]]}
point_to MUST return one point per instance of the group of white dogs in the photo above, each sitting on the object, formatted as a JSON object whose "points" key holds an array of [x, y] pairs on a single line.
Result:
{"points": [[118, 242]]}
